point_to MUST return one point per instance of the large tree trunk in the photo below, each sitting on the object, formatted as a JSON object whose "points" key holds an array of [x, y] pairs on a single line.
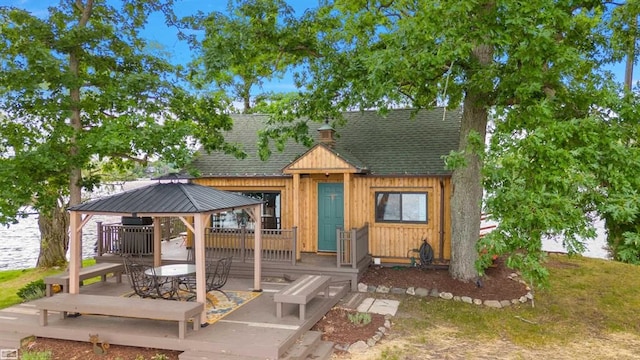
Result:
{"points": [[54, 237], [466, 200]]}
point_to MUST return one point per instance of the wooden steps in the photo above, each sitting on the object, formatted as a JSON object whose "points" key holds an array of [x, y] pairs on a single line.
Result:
{"points": [[14, 340], [309, 346]]}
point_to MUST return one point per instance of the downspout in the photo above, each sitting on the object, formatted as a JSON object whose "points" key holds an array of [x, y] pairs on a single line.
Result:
{"points": [[441, 254]]}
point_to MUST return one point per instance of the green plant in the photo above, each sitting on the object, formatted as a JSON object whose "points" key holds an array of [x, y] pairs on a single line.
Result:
{"points": [[139, 357], [159, 357], [36, 355], [359, 318], [33, 290]]}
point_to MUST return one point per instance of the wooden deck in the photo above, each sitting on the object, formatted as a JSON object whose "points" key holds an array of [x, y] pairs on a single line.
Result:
{"points": [[174, 251], [250, 332]]}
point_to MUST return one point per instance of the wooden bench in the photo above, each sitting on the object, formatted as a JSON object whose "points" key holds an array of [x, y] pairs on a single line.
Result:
{"points": [[301, 291], [180, 311], [101, 269]]}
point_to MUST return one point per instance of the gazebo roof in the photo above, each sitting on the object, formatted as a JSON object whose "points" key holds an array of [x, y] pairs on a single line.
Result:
{"points": [[167, 198]]}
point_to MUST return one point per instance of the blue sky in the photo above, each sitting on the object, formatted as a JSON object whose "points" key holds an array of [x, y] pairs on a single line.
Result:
{"points": [[157, 31]]}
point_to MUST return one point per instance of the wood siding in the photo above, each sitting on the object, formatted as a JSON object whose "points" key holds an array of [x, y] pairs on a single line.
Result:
{"points": [[391, 242]]}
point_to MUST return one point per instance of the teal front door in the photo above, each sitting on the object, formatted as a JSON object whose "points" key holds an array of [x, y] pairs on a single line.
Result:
{"points": [[330, 214]]}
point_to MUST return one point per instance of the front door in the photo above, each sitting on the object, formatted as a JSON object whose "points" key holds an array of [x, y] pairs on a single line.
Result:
{"points": [[330, 214]]}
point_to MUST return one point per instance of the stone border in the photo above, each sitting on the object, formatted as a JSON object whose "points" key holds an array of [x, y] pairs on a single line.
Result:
{"points": [[422, 292], [360, 346]]}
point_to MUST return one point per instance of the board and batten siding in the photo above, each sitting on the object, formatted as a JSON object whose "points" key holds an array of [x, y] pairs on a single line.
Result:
{"points": [[389, 241]]}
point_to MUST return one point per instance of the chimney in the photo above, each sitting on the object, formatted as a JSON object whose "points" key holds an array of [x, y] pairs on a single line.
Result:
{"points": [[326, 134]]}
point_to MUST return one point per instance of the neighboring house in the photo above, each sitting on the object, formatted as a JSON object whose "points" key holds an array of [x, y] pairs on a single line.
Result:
{"points": [[384, 171]]}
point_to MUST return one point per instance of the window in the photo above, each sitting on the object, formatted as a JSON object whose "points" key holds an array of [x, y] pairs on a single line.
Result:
{"points": [[239, 218], [408, 207]]}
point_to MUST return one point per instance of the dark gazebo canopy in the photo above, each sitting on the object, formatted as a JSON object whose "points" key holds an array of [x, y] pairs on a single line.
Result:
{"points": [[167, 198]]}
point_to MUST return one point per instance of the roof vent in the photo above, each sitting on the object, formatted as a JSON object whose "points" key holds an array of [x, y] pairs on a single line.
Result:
{"points": [[326, 134]]}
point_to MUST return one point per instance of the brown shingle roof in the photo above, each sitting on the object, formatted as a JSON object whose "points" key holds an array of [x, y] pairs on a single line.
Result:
{"points": [[404, 142]]}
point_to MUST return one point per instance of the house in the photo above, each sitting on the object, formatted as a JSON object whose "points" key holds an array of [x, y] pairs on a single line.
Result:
{"points": [[386, 173]]}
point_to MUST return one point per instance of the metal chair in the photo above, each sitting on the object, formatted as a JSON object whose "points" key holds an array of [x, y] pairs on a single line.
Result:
{"points": [[217, 272], [143, 284], [217, 275]]}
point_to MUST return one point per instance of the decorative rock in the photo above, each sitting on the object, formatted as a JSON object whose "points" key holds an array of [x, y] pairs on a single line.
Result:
{"points": [[505, 303], [341, 347], [446, 295], [377, 336], [434, 293], [382, 330], [477, 301], [523, 299], [362, 287], [387, 324], [382, 289], [372, 288], [529, 296], [493, 303], [456, 298], [398, 291], [357, 347], [514, 301], [411, 290], [422, 292], [371, 342], [466, 299]]}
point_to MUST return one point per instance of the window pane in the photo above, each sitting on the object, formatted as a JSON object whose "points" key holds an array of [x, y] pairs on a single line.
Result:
{"points": [[414, 207], [388, 207]]}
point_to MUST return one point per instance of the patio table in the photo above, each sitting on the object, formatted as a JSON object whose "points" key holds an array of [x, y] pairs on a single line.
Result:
{"points": [[173, 272]]}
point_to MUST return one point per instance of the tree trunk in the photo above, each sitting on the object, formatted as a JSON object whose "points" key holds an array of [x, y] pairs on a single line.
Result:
{"points": [[466, 200], [54, 237]]}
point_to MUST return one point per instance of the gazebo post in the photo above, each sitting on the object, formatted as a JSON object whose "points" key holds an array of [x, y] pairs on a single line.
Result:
{"points": [[157, 242], [75, 251], [200, 262]]}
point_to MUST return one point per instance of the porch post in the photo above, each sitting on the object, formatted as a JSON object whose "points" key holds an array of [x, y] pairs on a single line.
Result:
{"points": [[257, 258], [347, 200], [75, 252], [296, 208]]}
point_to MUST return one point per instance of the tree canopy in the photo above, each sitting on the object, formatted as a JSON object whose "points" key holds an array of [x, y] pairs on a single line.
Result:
{"points": [[80, 86], [533, 70], [252, 42]]}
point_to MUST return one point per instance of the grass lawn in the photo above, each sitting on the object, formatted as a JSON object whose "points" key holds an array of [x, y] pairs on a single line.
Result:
{"points": [[12, 280], [590, 310]]}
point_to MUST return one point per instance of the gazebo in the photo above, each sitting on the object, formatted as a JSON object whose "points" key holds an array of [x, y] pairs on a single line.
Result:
{"points": [[171, 199]]}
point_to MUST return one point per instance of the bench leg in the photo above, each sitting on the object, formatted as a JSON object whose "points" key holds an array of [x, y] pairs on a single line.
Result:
{"points": [[118, 276], [302, 312], [43, 317], [182, 329], [48, 290], [278, 310]]}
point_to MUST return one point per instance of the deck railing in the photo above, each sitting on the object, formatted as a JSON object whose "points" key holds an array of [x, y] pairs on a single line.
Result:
{"points": [[115, 238], [278, 245], [352, 246]]}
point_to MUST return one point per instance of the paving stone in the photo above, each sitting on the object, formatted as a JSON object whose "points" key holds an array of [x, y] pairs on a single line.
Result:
{"points": [[422, 292]]}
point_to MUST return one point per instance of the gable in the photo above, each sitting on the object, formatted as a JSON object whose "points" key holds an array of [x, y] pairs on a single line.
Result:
{"points": [[320, 159]]}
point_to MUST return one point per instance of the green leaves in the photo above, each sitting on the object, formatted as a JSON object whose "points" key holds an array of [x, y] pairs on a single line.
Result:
{"points": [[132, 104]]}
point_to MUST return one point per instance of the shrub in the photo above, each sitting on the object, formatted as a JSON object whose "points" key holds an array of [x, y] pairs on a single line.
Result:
{"points": [[36, 355], [33, 290], [360, 318]]}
